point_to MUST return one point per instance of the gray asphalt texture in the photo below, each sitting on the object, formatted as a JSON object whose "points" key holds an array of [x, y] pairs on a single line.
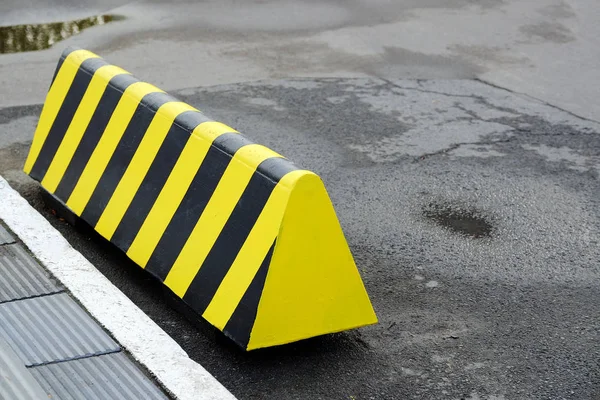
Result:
{"points": [[473, 217], [547, 49]]}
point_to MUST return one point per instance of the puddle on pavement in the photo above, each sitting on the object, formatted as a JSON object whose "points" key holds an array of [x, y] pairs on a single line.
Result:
{"points": [[20, 38], [465, 222]]}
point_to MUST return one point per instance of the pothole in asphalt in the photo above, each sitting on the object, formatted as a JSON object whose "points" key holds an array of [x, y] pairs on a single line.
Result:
{"points": [[465, 222], [20, 38]]}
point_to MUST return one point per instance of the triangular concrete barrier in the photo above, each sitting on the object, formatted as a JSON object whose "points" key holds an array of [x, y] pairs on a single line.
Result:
{"points": [[247, 240]]}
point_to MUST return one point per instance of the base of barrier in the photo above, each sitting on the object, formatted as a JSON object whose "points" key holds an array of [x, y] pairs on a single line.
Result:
{"points": [[61, 211]]}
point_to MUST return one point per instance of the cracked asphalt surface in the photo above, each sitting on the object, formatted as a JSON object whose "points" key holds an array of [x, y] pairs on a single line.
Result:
{"points": [[473, 217]]}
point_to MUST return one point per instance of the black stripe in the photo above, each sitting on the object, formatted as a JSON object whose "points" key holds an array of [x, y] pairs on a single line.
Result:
{"points": [[239, 327], [197, 196], [93, 133], [120, 159], [58, 66], [65, 116], [230, 240], [155, 179], [190, 120], [275, 168]]}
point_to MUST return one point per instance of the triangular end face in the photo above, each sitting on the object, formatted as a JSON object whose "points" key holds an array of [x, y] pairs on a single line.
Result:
{"points": [[312, 286]]}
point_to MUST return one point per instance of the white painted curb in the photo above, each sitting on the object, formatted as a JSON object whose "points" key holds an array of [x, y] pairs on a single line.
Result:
{"points": [[134, 330]]}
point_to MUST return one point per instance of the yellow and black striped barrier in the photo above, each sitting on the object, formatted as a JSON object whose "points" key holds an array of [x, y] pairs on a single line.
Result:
{"points": [[247, 240]]}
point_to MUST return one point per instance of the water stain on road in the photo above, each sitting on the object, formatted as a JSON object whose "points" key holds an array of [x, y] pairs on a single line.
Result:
{"points": [[21, 38], [464, 222]]}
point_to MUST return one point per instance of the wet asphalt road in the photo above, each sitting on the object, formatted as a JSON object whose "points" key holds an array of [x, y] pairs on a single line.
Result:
{"points": [[472, 212], [545, 48], [473, 217]]}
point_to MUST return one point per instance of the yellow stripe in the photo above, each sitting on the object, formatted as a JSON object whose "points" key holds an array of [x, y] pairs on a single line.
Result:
{"points": [[228, 192], [139, 166], [107, 144], [252, 254], [78, 125], [210, 130], [56, 96], [174, 190]]}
